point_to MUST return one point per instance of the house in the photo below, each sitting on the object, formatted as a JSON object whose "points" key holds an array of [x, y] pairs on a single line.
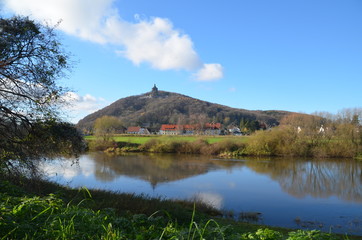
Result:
{"points": [[191, 129], [137, 130], [299, 129], [212, 129], [171, 129], [235, 131]]}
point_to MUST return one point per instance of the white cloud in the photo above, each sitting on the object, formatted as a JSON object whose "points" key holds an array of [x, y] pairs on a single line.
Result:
{"points": [[82, 18], [212, 199], [210, 72], [154, 41], [79, 106], [87, 102]]}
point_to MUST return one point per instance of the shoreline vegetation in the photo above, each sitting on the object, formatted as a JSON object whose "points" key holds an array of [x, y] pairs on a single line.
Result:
{"points": [[322, 135], [278, 142], [38, 209]]}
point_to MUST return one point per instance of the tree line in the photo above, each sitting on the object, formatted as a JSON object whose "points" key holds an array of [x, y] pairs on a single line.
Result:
{"points": [[318, 135], [299, 135]]}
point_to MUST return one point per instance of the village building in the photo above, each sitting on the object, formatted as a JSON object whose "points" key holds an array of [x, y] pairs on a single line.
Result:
{"points": [[212, 129], [171, 129], [235, 131], [191, 129], [137, 130], [321, 130]]}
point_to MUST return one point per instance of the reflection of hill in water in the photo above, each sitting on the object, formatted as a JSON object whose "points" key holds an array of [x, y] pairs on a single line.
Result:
{"points": [[152, 168], [319, 178], [300, 178]]}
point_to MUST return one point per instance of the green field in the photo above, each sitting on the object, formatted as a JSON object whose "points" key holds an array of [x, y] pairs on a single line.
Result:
{"points": [[138, 139]]}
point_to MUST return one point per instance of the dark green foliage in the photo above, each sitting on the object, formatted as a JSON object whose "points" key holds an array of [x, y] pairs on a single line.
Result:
{"points": [[268, 234], [263, 234], [44, 139], [62, 138]]}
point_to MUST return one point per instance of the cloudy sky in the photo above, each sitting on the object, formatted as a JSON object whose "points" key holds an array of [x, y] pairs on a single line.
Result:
{"points": [[301, 55]]}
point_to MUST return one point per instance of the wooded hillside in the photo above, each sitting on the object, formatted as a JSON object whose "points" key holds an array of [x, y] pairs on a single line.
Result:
{"points": [[153, 109]]}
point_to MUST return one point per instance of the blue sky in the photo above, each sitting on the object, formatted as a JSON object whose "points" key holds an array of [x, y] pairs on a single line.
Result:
{"points": [[300, 55]]}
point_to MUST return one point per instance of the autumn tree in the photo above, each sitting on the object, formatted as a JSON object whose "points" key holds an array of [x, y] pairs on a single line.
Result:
{"points": [[105, 127], [308, 126], [32, 60], [349, 128], [249, 125]]}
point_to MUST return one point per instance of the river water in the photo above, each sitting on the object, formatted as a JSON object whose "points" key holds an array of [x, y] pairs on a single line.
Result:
{"points": [[318, 194]]}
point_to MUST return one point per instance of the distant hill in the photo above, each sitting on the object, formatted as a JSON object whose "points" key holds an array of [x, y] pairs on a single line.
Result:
{"points": [[159, 107]]}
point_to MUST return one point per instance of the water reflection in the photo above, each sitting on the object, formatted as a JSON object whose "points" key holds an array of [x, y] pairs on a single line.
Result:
{"points": [[300, 178], [327, 192], [152, 168], [318, 178]]}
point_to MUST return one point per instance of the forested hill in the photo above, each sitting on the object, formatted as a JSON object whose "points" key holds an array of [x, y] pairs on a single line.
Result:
{"points": [[159, 107]]}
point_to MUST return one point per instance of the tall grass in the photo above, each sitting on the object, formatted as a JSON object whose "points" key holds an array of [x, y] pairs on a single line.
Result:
{"points": [[199, 146], [27, 216], [286, 141]]}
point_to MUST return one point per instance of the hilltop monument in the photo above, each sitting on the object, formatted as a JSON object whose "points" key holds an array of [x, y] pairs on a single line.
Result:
{"points": [[154, 92]]}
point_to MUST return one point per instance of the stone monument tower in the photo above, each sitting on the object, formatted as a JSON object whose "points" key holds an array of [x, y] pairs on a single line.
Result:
{"points": [[154, 92]]}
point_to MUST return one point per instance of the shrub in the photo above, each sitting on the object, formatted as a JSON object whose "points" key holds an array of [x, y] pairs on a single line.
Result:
{"points": [[310, 235], [101, 145], [222, 147], [150, 145], [277, 141], [263, 234]]}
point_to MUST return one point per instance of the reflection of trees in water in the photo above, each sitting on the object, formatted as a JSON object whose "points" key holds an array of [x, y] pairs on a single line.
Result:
{"points": [[102, 171], [322, 178], [152, 168]]}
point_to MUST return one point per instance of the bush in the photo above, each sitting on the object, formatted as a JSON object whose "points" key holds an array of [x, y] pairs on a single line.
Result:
{"points": [[311, 235], [101, 145], [286, 141], [276, 142], [199, 146], [222, 147], [263, 234]]}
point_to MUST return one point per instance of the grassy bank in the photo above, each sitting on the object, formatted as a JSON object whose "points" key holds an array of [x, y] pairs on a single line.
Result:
{"points": [[280, 141], [142, 139], [42, 210]]}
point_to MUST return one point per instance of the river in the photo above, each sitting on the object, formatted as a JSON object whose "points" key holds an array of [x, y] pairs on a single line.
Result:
{"points": [[295, 193]]}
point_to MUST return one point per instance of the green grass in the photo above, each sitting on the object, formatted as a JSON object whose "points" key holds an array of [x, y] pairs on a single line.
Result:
{"points": [[29, 211], [137, 139]]}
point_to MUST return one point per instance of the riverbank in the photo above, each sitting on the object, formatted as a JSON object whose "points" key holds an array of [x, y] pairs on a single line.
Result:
{"points": [[282, 142], [35, 209]]}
